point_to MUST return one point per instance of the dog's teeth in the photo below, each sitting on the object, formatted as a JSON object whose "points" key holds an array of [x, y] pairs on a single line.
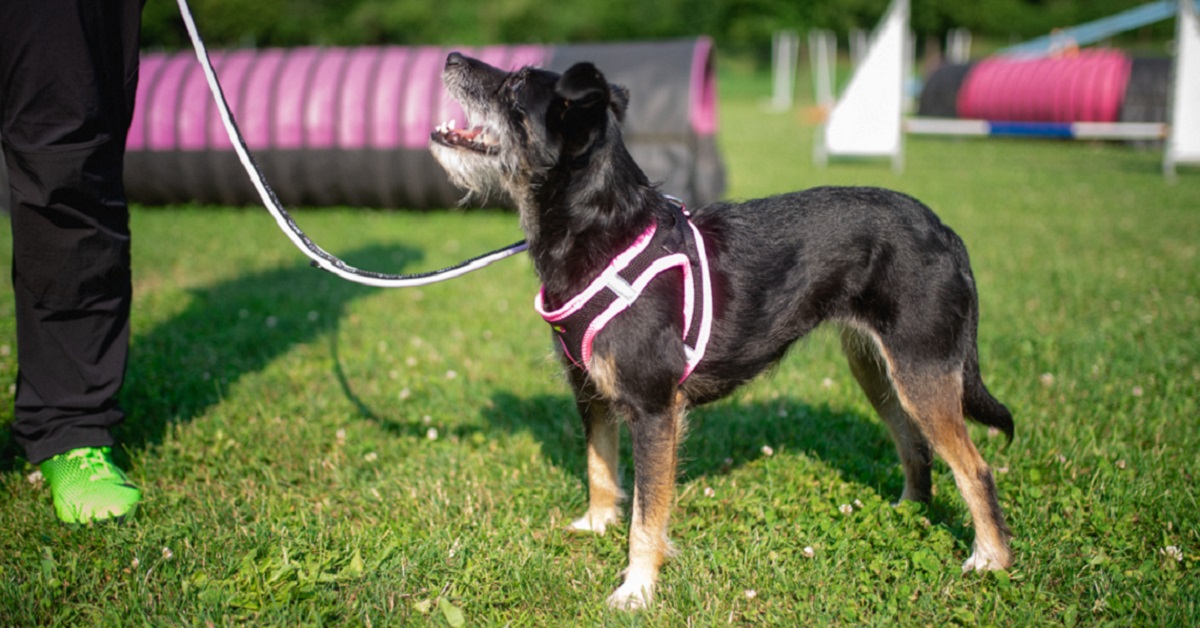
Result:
{"points": [[450, 124]]}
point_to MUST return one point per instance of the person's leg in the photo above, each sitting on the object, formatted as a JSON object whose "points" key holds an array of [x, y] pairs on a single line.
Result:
{"points": [[68, 76]]}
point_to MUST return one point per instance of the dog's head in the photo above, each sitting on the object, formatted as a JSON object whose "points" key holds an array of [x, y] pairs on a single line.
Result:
{"points": [[524, 124]]}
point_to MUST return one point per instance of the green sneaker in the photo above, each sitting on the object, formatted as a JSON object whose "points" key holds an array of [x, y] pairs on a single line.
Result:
{"points": [[88, 487]]}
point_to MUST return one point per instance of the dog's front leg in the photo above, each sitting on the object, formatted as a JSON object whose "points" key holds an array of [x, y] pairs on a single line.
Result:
{"points": [[655, 442], [604, 489]]}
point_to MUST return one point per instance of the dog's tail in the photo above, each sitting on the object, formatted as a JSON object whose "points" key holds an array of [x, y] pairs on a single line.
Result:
{"points": [[978, 402], [980, 405]]}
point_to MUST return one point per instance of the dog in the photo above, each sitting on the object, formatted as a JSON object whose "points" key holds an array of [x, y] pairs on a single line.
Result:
{"points": [[878, 263]]}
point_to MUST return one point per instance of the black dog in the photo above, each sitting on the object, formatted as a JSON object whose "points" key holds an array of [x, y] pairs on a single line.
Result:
{"points": [[877, 262]]}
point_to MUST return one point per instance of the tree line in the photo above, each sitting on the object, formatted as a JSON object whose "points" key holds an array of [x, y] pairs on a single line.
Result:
{"points": [[738, 25]]}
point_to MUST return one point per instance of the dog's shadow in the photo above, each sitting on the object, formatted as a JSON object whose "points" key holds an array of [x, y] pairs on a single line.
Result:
{"points": [[729, 434]]}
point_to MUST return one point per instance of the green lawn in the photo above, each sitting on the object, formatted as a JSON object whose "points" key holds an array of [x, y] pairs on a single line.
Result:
{"points": [[316, 452]]}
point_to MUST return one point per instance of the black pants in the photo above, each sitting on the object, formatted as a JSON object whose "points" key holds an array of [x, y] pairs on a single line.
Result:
{"points": [[68, 78]]}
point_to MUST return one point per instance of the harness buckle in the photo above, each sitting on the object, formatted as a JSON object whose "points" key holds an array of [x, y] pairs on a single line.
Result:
{"points": [[622, 289]]}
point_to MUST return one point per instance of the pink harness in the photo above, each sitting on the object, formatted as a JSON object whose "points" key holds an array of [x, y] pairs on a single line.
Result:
{"points": [[657, 250]]}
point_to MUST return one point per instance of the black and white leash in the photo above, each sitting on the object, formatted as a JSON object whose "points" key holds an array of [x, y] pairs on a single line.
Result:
{"points": [[320, 258]]}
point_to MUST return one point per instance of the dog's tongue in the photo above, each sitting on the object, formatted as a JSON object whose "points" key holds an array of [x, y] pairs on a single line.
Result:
{"points": [[468, 134]]}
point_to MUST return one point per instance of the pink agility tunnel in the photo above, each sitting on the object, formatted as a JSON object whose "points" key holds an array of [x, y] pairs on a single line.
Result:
{"points": [[1086, 87], [350, 126]]}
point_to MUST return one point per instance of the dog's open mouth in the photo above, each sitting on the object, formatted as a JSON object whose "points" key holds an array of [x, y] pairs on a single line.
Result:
{"points": [[475, 139]]}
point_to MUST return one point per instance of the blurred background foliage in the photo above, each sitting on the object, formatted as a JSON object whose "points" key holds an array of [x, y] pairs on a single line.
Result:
{"points": [[738, 26]]}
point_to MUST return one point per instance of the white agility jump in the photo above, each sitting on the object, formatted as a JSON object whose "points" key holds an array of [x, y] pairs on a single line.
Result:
{"points": [[868, 121]]}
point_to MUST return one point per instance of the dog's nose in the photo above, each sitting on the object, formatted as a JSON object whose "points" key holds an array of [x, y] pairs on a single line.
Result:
{"points": [[455, 58]]}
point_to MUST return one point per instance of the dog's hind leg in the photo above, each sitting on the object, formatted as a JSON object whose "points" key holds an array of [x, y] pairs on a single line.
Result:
{"points": [[916, 455], [933, 398], [604, 489], [655, 449]]}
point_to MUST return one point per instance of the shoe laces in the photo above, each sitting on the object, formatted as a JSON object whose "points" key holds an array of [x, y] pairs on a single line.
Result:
{"points": [[94, 461]]}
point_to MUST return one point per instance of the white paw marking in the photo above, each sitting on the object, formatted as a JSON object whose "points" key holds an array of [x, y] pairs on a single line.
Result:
{"points": [[635, 594], [982, 562], [595, 522]]}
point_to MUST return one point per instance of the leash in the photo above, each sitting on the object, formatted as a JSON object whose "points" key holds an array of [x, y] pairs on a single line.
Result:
{"points": [[320, 257]]}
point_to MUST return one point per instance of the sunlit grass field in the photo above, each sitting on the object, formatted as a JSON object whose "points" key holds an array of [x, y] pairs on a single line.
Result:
{"points": [[315, 452]]}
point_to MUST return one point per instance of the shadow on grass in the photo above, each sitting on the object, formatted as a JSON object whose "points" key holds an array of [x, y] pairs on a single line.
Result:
{"points": [[720, 436], [727, 434], [180, 368]]}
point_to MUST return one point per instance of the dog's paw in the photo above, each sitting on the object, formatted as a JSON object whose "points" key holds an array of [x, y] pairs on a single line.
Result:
{"points": [[980, 561], [633, 595], [595, 522]]}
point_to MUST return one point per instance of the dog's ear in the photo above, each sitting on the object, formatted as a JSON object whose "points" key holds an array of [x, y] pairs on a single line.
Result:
{"points": [[582, 86], [620, 100], [582, 83], [580, 111]]}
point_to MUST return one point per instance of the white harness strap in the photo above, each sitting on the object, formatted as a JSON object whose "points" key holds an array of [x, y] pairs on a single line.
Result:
{"points": [[578, 321]]}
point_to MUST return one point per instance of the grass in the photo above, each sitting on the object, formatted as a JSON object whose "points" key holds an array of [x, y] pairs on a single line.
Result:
{"points": [[315, 452]]}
